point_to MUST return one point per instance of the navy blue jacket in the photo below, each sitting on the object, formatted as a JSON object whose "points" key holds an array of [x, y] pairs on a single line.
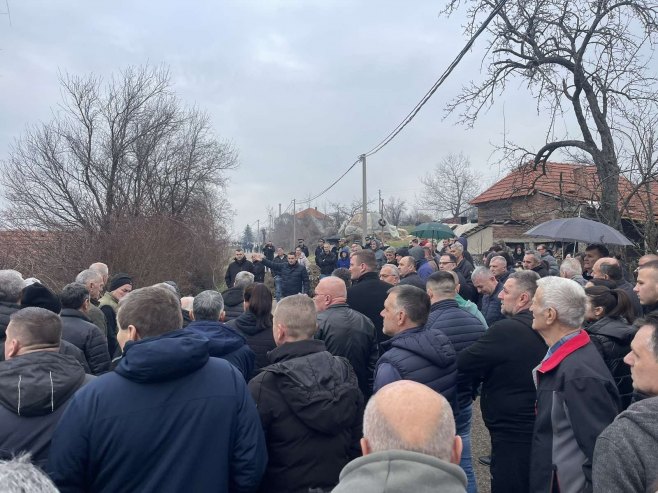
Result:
{"points": [[169, 419], [294, 278], [491, 306], [424, 356], [463, 329], [226, 343]]}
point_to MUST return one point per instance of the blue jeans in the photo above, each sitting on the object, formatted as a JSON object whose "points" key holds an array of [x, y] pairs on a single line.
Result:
{"points": [[463, 423], [277, 287]]}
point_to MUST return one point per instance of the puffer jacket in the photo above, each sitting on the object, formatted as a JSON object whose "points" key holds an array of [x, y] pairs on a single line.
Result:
{"points": [[311, 410], [422, 355], [35, 389], [79, 331], [294, 278], [612, 337], [233, 303], [259, 338], [350, 334], [463, 329], [226, 343]]}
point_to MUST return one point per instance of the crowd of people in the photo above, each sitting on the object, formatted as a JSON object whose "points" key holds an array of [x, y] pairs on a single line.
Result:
{"points": [[365, 382]]}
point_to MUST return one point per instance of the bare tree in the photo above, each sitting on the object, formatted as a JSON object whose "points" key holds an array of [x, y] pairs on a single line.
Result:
{"points": [[126, 148], [587, 58], [394, 209], [449, 188]]}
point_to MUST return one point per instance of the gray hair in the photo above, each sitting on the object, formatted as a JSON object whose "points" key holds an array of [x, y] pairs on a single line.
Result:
{"points": [[566, 297], [87, 276], [390, 250], [243, 279], [18, 475], [457, 246], [11, 285], [298, 314], [535, 254], [74, 295], [413, 301], [100, 267], [382, 434], [481, 272], [526, 281], [393, 268], [571, 267], [208, 305]]}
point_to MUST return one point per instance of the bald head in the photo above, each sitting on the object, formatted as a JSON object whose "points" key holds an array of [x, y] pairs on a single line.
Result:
{"points": [[102, 269], [186, 303], [329, 291], [406, 415]]}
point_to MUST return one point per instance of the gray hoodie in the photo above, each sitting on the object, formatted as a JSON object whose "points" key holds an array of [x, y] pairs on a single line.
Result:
{"points": [[401, 471], [625, 458]]}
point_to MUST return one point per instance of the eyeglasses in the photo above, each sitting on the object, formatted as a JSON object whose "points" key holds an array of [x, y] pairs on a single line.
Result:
{"points": [[386, 275], [320, 294]]}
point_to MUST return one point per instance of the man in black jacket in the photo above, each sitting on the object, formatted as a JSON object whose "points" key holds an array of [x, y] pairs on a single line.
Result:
{"points": [[368, 293], [80, 331], [647, 286], [309, 404], [408, 274], [234, 297], [532, 261], [326, 260], [503, 360], [36, 383], [239, 264], [346, 332], [294, 276]]}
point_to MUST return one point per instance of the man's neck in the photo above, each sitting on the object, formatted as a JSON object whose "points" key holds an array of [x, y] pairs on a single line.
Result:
{"points": [[338, 301], [436, 299], [553, 336]]}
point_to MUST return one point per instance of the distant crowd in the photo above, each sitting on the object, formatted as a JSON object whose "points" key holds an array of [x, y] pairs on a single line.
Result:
{"points": [[363, 382]]}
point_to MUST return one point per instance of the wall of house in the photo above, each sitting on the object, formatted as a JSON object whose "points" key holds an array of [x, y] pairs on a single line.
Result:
{"points": [[534, 209]]}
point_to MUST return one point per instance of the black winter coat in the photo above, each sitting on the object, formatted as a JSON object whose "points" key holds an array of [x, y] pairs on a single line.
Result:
{"points": [[503, 360], [294, 278], [350, 334], [541, 270], [235, 267], [326, 262], [6, 309], [463, 329], [35, 389], [111, 335], [413, 279], [367, 296], [259, 338], [68, 349], [422, 355], [466, 289], [612, 337], [233, 303], [491, 306], [79, 331], [259, 272], [311, 410]]}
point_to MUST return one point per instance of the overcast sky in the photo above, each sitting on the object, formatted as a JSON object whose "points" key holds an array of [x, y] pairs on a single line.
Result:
{"points": [[301, 88]]}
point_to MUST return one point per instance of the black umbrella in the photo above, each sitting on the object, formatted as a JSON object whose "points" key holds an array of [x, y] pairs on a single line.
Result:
{"points": [[579, 229]]}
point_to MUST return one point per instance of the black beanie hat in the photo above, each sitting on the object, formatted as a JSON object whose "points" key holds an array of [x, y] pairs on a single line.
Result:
{"points": [[118, 280], [40, 296]]}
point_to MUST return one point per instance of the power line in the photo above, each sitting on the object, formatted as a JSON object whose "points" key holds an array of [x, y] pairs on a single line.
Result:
{"points": [[437, 84], [330, 186]]}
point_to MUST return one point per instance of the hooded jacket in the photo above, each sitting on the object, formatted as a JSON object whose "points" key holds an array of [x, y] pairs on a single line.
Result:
{"points": [[422, 355], [233, 303], [625, 459], [259, 338], [226, 343], [168, 419], [311, 410], [79, 331], [35, 389], [612, 337], [401, 471]]}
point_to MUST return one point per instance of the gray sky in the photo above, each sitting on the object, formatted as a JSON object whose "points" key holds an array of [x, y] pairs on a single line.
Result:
{"points": [[301, 88]]}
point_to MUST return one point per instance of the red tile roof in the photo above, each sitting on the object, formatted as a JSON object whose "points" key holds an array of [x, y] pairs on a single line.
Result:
{"points": [[313, 213], [578, 182]]}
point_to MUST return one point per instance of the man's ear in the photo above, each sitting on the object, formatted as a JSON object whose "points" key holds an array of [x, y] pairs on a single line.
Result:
{"points": [[12, 347], [134, 333], [365, 446], [457, 446], [85, 306], [191, 314], [222, 316]]}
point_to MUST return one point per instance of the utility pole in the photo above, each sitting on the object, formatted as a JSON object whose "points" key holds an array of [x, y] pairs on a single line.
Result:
{"points": [[279, 209], [364, 212], [381, 213], [294, 224], [257, 233]]}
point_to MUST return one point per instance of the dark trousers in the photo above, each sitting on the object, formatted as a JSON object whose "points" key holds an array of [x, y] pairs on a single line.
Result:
{"points": [[510, 465]]}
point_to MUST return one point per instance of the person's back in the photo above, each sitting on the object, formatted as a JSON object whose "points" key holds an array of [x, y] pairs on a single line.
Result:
{"points": [[223, 341], [409, 445], [169, 418], [31, 399], [309, 404]]}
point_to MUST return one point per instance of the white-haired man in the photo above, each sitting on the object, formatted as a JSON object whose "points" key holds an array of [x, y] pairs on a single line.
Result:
{"points": [[390, 274], [409, 444], [576, 395], [570, 268]]}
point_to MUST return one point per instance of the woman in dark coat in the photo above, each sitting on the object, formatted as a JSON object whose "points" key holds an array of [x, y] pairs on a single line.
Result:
{"points": [[255, 324], [609, 319]]}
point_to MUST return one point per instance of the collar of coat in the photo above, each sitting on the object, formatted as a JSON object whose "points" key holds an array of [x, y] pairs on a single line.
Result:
{"points": [[569, 347]]}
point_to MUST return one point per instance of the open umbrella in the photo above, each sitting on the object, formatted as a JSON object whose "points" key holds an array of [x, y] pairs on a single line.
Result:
{"points": [[579, 229], [436, 231]]}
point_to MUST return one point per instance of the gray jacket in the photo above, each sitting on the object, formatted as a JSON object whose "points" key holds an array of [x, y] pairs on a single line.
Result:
{"points": [[553, 269], [625, 459], [401, 471]]}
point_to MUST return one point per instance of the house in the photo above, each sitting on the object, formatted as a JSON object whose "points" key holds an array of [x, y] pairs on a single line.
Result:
{"points": [[531, 195]]}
